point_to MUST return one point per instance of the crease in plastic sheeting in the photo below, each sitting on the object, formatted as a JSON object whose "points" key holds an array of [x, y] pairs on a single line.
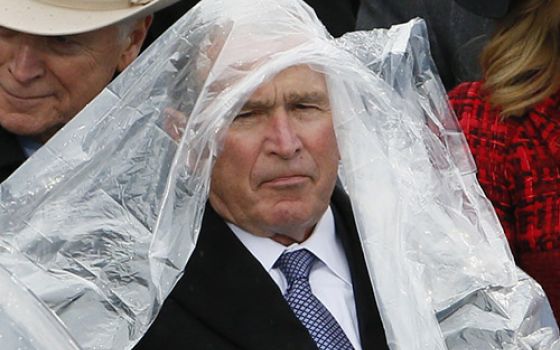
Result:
{"points": [[25, 323], [120, 223]]}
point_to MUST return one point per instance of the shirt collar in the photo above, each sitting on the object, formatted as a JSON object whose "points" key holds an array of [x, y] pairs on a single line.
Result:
{"points": [[322, 242]]}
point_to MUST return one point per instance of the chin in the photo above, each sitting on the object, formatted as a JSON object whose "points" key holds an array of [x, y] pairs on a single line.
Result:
{"points": [[290, 218], [23, 124]]}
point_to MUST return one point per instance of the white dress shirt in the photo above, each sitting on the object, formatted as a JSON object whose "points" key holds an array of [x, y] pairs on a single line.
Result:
{"points": [[329, 277]]}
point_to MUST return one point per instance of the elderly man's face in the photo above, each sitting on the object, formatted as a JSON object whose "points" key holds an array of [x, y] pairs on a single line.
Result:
{"points": [[278, 168], [45, 81]]}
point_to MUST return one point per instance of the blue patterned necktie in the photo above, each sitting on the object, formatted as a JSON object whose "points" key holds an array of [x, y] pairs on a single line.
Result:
{"points": [[322, 326]]}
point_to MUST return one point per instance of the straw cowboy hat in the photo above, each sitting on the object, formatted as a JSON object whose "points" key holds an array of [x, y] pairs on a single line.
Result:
{"points": [[65, 17]]}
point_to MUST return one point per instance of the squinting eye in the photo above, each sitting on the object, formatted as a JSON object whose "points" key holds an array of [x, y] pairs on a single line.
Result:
{"points": [[249, 118], [301, 106], [246, 114], [250, 114]]}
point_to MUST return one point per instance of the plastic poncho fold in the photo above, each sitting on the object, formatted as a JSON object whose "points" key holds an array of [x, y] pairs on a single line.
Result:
{"points": [[98, 225]]}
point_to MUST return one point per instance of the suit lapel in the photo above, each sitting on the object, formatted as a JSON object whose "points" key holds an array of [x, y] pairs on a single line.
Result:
{"points": [[372, 334], [228, 290]]}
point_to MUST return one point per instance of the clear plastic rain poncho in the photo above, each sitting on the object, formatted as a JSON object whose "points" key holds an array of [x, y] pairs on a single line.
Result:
{"points": [[99, 224]]}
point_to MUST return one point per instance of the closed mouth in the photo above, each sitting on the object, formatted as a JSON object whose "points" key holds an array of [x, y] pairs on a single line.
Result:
{"points": [[285, 181]]}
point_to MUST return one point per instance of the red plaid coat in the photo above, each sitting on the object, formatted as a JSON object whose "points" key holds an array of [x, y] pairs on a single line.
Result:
{"points": [[518, 162]]}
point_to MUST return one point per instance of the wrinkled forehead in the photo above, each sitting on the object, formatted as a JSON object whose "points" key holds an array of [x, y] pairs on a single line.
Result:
{"points": [[298, 83]]}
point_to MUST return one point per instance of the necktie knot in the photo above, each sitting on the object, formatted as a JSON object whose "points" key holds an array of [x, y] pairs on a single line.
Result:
{"points": [[296, 265]]}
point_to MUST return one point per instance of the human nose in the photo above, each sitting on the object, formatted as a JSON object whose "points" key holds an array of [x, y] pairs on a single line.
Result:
{"points": [[283, 139], [26, 63]]}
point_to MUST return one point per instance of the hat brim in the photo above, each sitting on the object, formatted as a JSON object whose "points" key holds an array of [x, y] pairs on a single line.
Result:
{"points": [[35, 17]]}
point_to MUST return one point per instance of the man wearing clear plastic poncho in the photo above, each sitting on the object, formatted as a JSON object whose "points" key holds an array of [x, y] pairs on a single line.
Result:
{"points": [[98, 233]]}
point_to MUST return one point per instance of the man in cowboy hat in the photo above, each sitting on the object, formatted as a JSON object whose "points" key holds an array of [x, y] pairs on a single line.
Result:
{"points": [[55, 56]]}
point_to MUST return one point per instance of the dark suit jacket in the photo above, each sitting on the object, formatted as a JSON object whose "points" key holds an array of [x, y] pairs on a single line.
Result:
{"points": [[226, 300], [11, 154]]}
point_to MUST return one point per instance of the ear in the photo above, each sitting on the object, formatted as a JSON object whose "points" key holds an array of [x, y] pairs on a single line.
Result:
{"points": [[133, 42]]}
